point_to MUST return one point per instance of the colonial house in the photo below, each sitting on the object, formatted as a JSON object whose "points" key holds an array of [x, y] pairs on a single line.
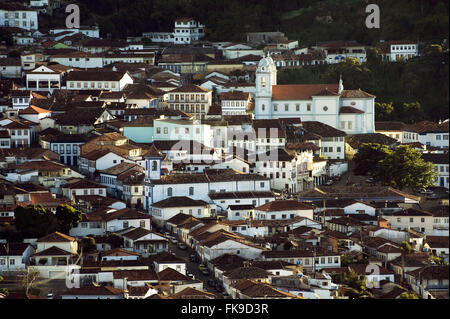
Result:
{"points": [[157, 187], [104, 221], [440, 161], [429, 281], [21, 132], [79, 187], [14, 256], [212, 245], [415, 219], [54, 253], [190, 98], [20, 99], [432, 134], [17, 15], [397, 50], [398, 130], [235, 102], [45, 78], [164, 210], [113, 177], [283, 209], [66, 145], [34, 114], [10, 68], [338, 51], [310, 259], [90, 80]]}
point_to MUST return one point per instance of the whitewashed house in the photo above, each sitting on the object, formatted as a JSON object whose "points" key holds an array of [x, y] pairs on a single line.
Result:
{"points": [[17, 15], [283, 209], [166, 209], [14, 256], [95, 80]]}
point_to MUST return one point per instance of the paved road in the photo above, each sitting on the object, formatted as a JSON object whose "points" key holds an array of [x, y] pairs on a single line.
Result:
{"points": [[192, 268]]}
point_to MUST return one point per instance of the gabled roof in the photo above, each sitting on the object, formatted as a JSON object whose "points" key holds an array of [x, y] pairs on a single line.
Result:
{"points": [[246, 273], [168, 258], [300, 91], [254, 289], [119, 252], [53, 251], [56, 237], [13, 249], [192, 293], [282, 205], [430, 272], [179, 201], [93, 291], [137, 233], [356, 94], [170, 274], [190, 88], [83, 183]]}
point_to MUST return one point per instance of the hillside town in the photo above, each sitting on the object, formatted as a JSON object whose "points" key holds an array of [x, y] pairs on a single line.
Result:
{"points": [[167, 166]]}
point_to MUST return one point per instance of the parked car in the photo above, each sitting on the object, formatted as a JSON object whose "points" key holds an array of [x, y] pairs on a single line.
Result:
{"points": [[370, 180], [191, 276], [182, 246], [205, 271], [174, 240], [193, 258], [432, 196], [426, 192], [329, 182], [226, 295], [201, 267]]}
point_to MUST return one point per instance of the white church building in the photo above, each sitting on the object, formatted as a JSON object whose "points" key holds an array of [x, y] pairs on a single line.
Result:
{"points": [[352, 111]]}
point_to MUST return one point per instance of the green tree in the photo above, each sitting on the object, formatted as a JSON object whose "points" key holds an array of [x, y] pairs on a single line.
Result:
{"points": [[368, 157], [384, 111], [3, 290], [34, 221], [67, 217], [87, 243], [406, 247], [411, 112], [404, 167], [409, 295], [357, 285]]}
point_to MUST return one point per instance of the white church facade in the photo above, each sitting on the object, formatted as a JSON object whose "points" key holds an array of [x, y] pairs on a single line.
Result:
{"points": [[352, 111]]}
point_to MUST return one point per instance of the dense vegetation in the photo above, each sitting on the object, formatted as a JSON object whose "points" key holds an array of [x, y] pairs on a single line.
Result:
{"points": [[308, 21], [402, 167], [408, 91]]}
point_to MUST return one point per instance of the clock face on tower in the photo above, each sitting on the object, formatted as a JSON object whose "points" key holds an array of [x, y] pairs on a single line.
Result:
{"points": [[325, 108]]}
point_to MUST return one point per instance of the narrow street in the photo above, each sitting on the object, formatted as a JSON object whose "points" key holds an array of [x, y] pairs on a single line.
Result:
{"points": [[192, 268]]}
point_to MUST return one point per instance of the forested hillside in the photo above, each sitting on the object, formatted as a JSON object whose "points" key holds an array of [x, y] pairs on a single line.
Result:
{"points": [[308, 21]]}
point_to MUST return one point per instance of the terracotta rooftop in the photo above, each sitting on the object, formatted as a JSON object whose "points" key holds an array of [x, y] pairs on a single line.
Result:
{"points": [[299, 91]]}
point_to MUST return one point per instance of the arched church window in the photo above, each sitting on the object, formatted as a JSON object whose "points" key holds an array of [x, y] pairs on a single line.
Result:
{"points": [[263, 82], [169, 191]]}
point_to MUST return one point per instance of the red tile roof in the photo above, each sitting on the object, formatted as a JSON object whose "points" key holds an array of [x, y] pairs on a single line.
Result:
{"points": [[299, 91]]}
